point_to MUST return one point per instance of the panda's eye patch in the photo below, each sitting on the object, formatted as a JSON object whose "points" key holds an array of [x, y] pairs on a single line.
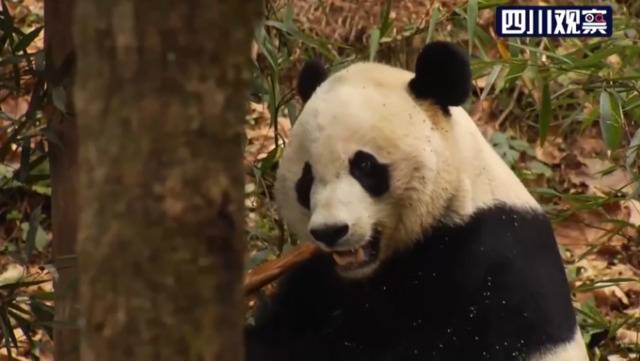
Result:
{"points": [[372, 175], [303, 186]]}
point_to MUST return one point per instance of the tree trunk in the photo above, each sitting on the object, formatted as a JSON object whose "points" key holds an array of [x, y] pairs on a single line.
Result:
{"points": [[64, 164], [161, 96]]}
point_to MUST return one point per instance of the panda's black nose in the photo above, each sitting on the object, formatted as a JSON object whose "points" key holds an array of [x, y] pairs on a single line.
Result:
{"points": [[330, 234]]}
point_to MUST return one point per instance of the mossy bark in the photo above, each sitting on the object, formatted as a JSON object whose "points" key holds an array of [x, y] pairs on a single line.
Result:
{"points": [[161, 98]]}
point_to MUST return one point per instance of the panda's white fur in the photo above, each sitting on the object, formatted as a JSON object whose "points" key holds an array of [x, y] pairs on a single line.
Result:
{"points": [[442, 167], [571, 351]]}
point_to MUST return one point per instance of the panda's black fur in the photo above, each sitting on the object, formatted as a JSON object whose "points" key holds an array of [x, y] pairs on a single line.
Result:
{"points": [[490, 288], [465, 292], [313, 73], [443, 74]]}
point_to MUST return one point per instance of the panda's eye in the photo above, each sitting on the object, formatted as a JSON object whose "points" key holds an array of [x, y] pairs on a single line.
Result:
{"points": [[372, 175], [364, 164]]}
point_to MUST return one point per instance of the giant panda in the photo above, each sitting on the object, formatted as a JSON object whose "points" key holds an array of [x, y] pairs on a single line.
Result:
{"points": [[433, 248]]}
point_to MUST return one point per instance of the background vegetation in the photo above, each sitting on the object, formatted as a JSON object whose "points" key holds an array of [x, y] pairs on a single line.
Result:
{"points": [[563, 113]]}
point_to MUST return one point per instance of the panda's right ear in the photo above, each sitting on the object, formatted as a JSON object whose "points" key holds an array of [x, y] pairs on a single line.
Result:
{"points": [[313, 73], [443, 75]]}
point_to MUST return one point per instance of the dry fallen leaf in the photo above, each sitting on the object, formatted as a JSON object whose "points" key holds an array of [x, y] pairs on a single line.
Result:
{"points": [[592, 174], [15, 106], [628, 337], [551, 152]]}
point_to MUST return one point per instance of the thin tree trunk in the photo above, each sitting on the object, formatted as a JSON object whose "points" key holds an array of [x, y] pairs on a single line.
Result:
{"points": [[161, 95], [64, 163]]}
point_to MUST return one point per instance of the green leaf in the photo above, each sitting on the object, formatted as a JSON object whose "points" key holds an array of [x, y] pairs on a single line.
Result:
{"points": [[43, 314], [374, 43], [27, 39], [17, 285], [292, 112], [266, 164], [44, 296], [25, 156], [36, 237], [7, 331], [59, 98], [486, 4], [634, 148], [603, 283], [610, 120], [597, 57], [385, 20], [435, 16], [5, 148], [472, 16], [265, 46], [537, 167], [490, 80], [289, 14], [516, 70], [292, 31], [51, 136], [544, 118]]}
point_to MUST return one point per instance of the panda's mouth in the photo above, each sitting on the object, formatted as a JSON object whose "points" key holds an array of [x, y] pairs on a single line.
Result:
{"points": [[359, 257]]}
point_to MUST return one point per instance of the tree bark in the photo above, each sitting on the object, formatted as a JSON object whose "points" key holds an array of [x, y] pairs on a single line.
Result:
{"points": [[64, 163], [161, 97]]}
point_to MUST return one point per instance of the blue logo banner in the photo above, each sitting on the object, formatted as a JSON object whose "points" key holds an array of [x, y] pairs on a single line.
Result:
{"points": [[554, 21]]}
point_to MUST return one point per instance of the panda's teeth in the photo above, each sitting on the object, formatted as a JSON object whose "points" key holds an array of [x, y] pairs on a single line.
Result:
{"points": [[343, 258], [352, 256]]}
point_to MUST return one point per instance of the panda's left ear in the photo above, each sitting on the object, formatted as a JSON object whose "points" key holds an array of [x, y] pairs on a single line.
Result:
{"points": [[313, 73], [443, 74]]}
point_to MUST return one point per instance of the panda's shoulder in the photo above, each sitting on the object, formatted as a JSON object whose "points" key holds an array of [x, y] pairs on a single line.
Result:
{"points": [[504, 233], [507, 228], [502, 239]]}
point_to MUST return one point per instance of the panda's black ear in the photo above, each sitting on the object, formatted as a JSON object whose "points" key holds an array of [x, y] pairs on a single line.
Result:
{"points": [[313, 73], [443, 74]]}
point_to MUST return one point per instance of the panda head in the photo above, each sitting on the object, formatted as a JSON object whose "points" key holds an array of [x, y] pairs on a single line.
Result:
{"points": [[369, 165]]}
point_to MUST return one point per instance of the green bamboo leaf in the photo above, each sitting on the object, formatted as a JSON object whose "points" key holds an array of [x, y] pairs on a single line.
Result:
{"points": [[5, 147], [7, 332], [634, 148], [43, 314], [597, 57], [472, 16], [516, 70], [44, 296], [385, 20], [491, 79], [27, 39], [435, 16], [265, 46], [14, 286], [289, 14], [292, 112], [36, 237], [290, 29], [59, 98], [374, 43], [487, 4], [25, 156], [604, 283], [610, 120], [544, 119]]}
